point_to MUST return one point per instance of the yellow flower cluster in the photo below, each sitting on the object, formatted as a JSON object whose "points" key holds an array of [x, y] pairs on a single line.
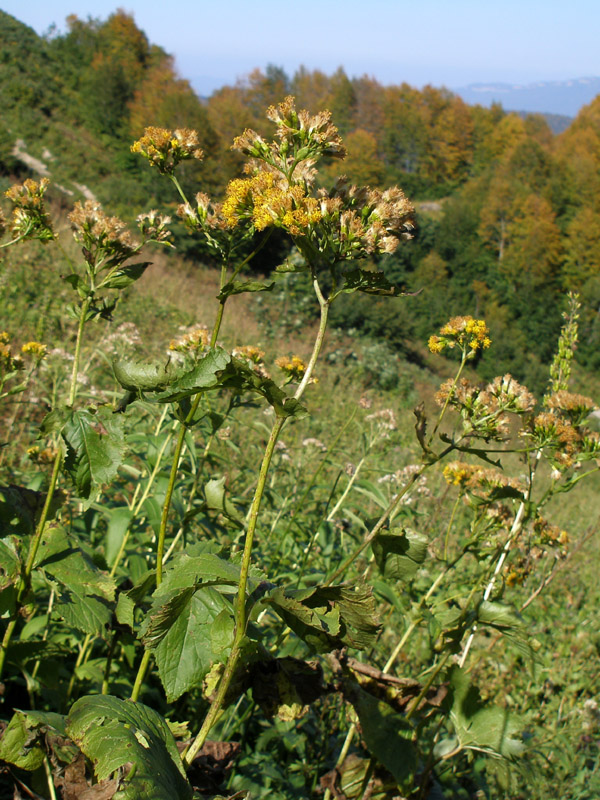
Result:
{"points": [[35, 349], [470, 334], [472, 477], [8, 361], [164, 149], [11, 362], [265, 201], [253, 356], [193, 341], [30, 219], [294, 367]]}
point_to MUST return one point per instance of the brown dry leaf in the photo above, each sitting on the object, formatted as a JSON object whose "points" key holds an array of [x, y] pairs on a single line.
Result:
{"points": [[75, 785]]}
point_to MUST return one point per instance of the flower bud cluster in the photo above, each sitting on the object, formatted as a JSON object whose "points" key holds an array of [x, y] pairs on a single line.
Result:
{"points": [[252, 356], [301, 136], [358, 221], [104, 239], [576, 407], [560, 369], [13, 362], [482, 413], [194, 341], [469, 334], [153, 227], [165, 149], [478, 480], [294, 367], [566, 444], [30, 219]]}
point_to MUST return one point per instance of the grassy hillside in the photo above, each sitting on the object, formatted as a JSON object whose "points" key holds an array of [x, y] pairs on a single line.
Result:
{"points": [[290, 532]]}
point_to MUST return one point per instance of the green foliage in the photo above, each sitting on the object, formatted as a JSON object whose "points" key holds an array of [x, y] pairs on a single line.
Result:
{"points": [[131, 740]]}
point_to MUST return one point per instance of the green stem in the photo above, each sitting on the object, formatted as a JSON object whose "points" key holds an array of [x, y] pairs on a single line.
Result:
{"points": [[448, 396], [427, 686], [141, 674], [449, 528], [80, 657], [343, 753], [240, 612], [376, 530], [82, 320]]}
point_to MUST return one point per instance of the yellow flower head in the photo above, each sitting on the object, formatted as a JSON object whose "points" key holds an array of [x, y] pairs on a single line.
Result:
{"points": [[164, 149], [35, 349], [293, 367], [471, 335]]}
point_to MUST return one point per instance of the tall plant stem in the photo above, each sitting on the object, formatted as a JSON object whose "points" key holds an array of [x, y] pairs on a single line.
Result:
{"points": [[448, 396], [374, 532], [164, 518], [240, 611], [25, 579]]}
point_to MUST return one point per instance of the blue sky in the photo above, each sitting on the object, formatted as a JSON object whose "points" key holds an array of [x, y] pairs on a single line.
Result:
{"points": [[444, 42]]}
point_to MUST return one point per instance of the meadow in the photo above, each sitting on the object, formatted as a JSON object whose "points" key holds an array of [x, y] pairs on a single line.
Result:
{"points": [[249, 553]]}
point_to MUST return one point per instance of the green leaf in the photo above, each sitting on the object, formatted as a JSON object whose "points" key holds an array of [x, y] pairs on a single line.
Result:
{"points": [[54, 421], [216, 498], [119, 520], [328, 617], [130, 739], [95, 448], [509, 622], [479, 726], [206, 374], [124, 610], [60, 556], [388, 736], [146, 376], [179, 630], [399, 553], [126, 275], [20, 508], [187, 569], [362, 280], [239, 287], [22, 743], [10, 562], [87, 613]]}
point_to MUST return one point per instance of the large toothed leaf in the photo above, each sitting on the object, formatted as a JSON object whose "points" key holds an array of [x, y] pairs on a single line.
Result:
{"points": [[88, 613], [240, 378], [136, 375], [399, 553], [126, 275], [205, 375], [480, 726], [60, 556], [362, 280], [22, 743], [240, 287], [181, 630], [388, 736], [133, 742], [95, 448], [328, 617]]}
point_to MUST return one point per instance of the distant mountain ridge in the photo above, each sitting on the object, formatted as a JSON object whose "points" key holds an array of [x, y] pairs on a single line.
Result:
{"points": [[546, 97]]}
